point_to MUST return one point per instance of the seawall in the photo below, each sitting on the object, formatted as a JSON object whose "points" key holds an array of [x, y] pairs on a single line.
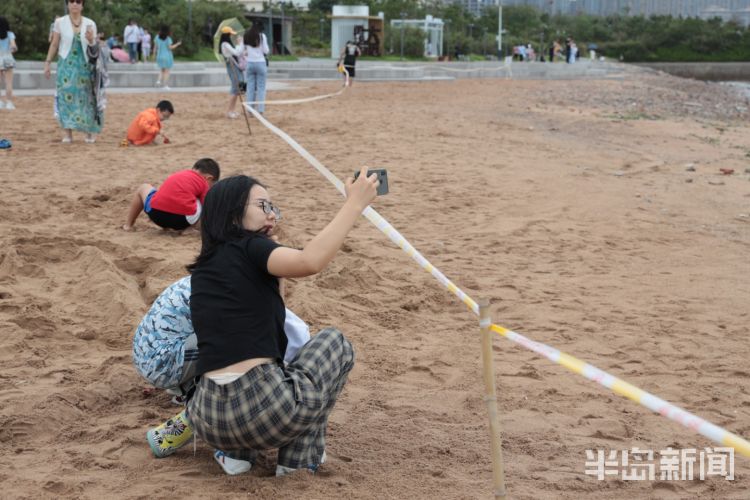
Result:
{"points": [[733, 71]]}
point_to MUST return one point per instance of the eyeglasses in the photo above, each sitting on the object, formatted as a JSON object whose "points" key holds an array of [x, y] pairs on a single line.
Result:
{"points": [[76, 1], [269, 207]]}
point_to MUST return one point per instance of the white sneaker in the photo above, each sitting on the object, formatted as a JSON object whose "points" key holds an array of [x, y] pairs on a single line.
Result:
{"points": [[282, 470], [232, 115], [166, 87], [9, 105], [231, 466], [158, 83]]}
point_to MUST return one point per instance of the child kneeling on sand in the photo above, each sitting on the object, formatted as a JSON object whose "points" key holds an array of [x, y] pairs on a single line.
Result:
{"points": [[146, 127], [177, 204], [165, 353]]}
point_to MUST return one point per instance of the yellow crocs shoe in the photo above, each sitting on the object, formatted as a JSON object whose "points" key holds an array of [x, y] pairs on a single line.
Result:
{"points": [[170, 436]]}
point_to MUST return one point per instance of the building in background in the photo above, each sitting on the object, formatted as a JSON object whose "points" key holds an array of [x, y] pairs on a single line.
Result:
{"points": [[354, 22], [476, 6], [257, 5], [432, 27], [278, 30], [737, 10], [276, 25]]}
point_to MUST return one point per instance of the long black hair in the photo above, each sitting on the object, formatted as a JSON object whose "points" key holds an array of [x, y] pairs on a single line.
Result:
{"points": [[164, 32], [225, 37], [223, 210], [4, 28], [252, 36]]}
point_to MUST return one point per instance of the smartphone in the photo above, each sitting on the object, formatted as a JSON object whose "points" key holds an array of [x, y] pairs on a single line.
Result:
{"points": [[382, 177]]}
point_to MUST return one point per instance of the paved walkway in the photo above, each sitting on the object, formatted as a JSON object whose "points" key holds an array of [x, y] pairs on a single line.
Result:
{"points": [[211, 76], [153, 90]]}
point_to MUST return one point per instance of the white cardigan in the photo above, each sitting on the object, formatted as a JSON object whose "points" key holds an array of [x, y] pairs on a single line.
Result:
{"points": [[64, 26]]}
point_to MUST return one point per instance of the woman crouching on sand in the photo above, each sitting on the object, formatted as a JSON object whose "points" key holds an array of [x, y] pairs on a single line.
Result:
{"points": [[246, 399]]}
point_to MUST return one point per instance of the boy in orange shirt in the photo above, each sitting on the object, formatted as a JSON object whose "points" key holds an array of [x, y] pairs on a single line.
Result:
{"points": [[147, 125]]}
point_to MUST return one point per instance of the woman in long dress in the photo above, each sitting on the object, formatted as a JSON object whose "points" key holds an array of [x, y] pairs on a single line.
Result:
{"points": [[73, 36]]}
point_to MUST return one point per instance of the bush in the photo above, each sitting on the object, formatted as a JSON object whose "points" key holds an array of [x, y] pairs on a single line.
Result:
{"points": [[414, 41], [30, 20]]}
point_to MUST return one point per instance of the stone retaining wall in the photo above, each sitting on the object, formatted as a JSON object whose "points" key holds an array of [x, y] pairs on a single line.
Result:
{"points": [[735, 71]]}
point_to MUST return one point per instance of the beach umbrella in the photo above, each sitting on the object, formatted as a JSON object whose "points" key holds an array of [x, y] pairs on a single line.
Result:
{"points": [[232, 23]]}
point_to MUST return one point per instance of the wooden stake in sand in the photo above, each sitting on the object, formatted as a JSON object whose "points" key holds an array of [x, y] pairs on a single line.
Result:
{"points": [[238, 74], [490, 396]]}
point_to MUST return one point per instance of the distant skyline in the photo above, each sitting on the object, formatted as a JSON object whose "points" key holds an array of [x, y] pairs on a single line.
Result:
{"points": [[685, 8]]}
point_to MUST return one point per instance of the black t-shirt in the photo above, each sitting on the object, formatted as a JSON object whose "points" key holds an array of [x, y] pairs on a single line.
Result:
{"points": [[237, 310], [350, 56]]}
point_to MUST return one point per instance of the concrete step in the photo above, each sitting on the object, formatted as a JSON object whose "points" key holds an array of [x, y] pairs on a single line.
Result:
{"points": [[29, 74]]}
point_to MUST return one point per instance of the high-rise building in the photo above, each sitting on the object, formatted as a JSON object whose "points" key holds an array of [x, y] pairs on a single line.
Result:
{"points": [[738, 10], [476, 6]]}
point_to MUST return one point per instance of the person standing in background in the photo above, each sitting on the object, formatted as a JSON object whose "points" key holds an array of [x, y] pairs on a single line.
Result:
{"points": [[348, 58], [163, 48], [139, 48], [256, 50], [7, 61], [231, 56], [145, 45], [104, 49], [130, 37]]}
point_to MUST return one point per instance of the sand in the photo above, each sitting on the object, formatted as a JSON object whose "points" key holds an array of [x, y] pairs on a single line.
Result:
{"points": [[571, 205]]}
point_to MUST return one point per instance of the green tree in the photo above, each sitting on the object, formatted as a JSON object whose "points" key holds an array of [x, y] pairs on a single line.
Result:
{"points": [[30, 20], [413, 41]]}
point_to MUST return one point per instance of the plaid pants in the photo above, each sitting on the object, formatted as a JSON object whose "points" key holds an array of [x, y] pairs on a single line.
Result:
{"points": [[272, 406]]}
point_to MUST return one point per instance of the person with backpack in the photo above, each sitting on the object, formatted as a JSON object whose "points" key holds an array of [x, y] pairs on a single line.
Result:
{"points": [[231, 56]]}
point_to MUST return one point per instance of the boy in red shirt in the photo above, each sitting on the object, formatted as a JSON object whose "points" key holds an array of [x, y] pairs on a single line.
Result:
{"points": [[147, 125], [178, 202]]}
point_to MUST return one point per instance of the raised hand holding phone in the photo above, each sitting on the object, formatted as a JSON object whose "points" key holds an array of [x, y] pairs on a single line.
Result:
{"points": [[361, 190], [382, 175]]}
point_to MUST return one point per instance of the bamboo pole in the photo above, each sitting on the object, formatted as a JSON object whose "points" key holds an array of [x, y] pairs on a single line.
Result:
{"points": [[490, 397]]}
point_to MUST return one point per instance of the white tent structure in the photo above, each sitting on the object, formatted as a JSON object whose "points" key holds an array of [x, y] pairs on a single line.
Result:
{"points": [[433, 29]]}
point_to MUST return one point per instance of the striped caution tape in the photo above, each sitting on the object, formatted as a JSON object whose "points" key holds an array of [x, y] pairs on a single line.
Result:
{"points": [[302, 100], [658, 405], [307, 99], [633, 393]]}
